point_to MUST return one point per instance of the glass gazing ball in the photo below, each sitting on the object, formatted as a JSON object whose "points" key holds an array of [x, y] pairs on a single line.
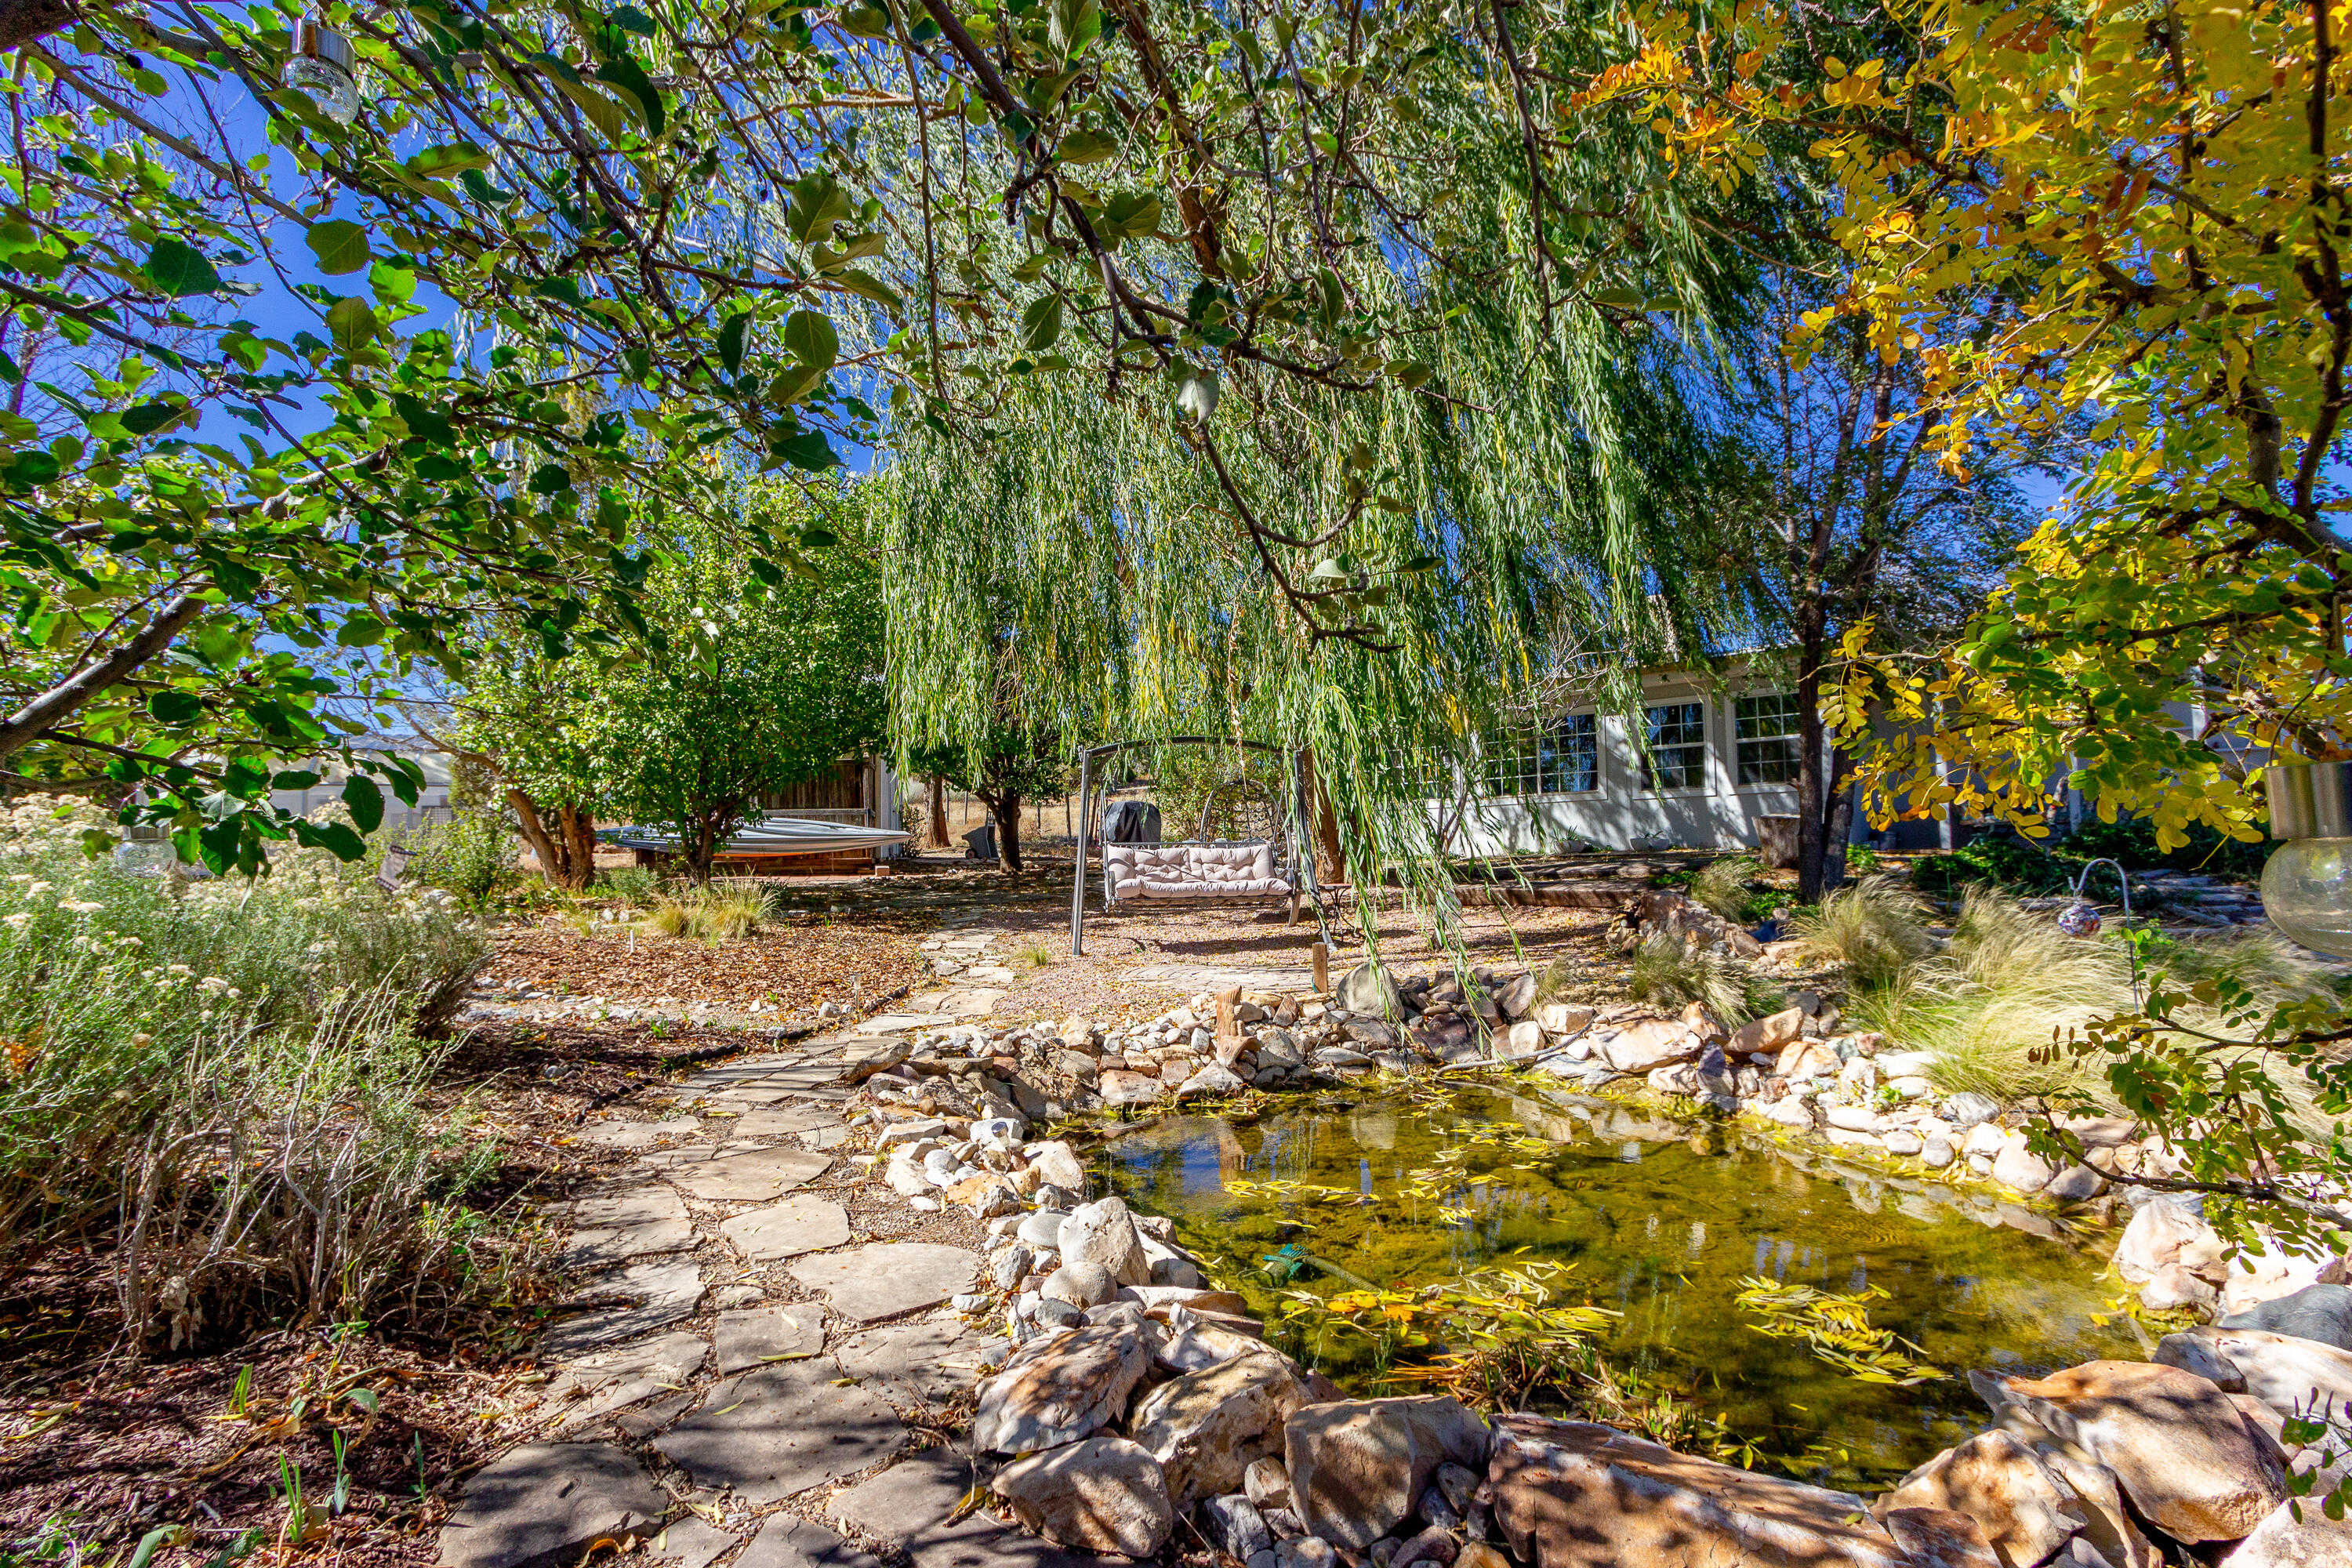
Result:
{"points": [[2307, 892], [331, 87], [2079, 920]]}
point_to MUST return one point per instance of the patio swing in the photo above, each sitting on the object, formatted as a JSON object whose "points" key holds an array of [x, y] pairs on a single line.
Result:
{"points": [[1137, 868]]}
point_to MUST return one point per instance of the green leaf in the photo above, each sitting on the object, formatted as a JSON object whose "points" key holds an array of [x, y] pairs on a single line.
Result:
{"points": [[361, 628], [624, 73], [809, 338], [1073, 24], [481, 190], [332, 837], [1331, 298], [792, 385], [866, 286], [1621, 299], [179, 269], [146, 418], [354, 324], [175, 708], [1132, 214], [449, 158], [865, 21], [819, 538], [1081, 147], [339, 244], [367, 801], [730, 341], [550, 479], [1041, 324], [602, 110], [819, 204], [809, 450]]}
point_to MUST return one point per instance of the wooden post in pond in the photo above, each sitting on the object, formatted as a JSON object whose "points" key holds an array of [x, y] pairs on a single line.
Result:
{"points": [[1322, 951]]}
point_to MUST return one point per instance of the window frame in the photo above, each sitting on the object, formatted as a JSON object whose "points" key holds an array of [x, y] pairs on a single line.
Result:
{"points": [[1549, 753], [1652, 749], [1788, 743]]}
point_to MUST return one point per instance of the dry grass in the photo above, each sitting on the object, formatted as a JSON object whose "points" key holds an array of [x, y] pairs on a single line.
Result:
{"points": [[725, 911], [1670, 972], [2010, 983], [1873, 928], [1721, 885]]}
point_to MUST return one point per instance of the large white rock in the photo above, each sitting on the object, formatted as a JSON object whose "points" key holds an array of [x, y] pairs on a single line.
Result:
{"points": [[2166, 1231], [2292, 1376], [2026, 1512], [2177, 1446], [1060, 1387], [1572, 1494], [1206, 1427], [1104, 1232], [1104, 1494], [1358, 1467]]}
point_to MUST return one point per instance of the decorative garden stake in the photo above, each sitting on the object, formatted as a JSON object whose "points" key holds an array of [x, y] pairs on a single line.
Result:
{"points": [[2081, 918]]}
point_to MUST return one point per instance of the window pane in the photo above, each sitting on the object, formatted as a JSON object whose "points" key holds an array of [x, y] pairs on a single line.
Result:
{"points": [[1570, 758], [1769, 751], [1677, 746]]}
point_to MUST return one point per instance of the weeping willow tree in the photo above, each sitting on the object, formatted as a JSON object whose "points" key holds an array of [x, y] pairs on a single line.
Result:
{"points": [[1484, 466]]}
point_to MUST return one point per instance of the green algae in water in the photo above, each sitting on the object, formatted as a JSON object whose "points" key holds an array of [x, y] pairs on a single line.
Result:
{"points": [[1657, 1221]]}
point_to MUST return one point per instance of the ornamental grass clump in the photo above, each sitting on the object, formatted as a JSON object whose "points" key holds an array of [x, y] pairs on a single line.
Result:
{"points": [[1873, 929], [225, 1074], [1672, 972]]}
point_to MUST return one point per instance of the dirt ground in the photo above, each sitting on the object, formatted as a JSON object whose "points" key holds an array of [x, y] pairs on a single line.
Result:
{"points": [[100, 1447]]}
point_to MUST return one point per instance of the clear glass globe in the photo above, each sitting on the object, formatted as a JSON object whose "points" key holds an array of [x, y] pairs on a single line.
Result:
{"points": [[331, 87], [2307, 892]]}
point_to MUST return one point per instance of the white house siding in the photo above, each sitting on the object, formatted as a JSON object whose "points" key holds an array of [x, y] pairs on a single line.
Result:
{"points": [[1624, 811]]}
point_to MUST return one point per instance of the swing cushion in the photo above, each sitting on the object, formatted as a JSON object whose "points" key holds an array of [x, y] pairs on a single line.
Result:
{"points": [[1192, 871]]}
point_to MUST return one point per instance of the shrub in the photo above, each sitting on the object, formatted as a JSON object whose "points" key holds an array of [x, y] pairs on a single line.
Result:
{"points": [[1668, 971], [635, 886], [471, 856], [1871, 927], [137, 1012]]}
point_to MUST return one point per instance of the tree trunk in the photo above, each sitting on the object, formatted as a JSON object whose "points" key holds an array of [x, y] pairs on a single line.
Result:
{"points": [[1813, 788], [1005, 809], [535, 834], [939, 812], [1331, 862], [579, 848], [1840, 827]]}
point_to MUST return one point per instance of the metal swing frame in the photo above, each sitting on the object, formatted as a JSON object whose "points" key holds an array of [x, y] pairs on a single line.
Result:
{"points": [[1302, 868]]}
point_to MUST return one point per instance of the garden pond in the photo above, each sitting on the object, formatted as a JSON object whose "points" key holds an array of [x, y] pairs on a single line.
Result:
{"points": [[1666, 1226]]}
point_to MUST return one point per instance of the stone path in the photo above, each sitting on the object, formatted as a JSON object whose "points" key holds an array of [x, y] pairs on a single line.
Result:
{"points": [[1214, 977], [691, 1405]]}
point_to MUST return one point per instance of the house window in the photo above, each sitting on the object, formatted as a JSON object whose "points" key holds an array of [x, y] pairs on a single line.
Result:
{"points": [[1569, 756], [1765, 731], [1677, 757]]}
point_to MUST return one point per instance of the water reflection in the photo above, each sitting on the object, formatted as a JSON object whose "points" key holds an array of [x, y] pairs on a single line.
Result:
{"points": [[1661, 1226]]}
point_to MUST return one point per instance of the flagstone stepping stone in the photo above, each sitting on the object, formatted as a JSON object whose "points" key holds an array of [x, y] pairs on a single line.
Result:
{"points": [[981, 1541], [547, 1502], [637, 1134], [785, 1541], [926, 1362], [754, 1336], [691, 1542], [744, 1098], [776, 1122], [664, 1161], [756, 1175], [661, 1294], [606, 1248], [832, 1137], [788, 1228], [910, 1497], [780, 1430], [643, 1420], [886, 1279], [611, 1379], [637, 1202]]}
